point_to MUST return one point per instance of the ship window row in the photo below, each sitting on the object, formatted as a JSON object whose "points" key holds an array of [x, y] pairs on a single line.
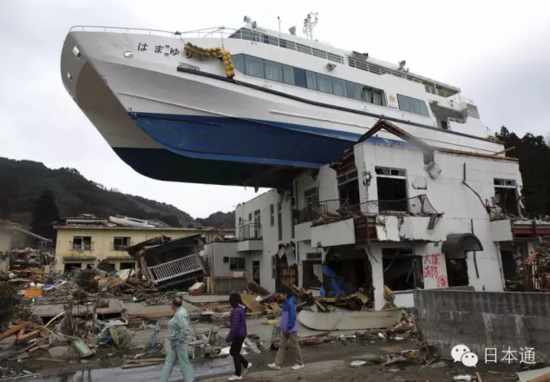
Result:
{"points": [[248, 34], [274, 71], [412, 105]]}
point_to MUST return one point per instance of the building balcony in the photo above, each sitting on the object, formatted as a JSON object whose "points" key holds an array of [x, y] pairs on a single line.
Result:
{"points": [[519, 230], [249, 237], [412, 219], [318, 211]]}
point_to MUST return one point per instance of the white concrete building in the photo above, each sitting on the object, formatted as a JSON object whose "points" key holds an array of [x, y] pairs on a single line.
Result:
{"points": [[402, 214]]}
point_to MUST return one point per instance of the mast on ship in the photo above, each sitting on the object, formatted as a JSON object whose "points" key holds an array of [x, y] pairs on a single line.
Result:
{"points": [[309, 24]]}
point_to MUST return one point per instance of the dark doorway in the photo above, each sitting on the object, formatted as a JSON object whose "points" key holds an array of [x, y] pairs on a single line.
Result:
{"points": [[256, 271], [457, 272], [69, 267], [402, 269], [310, 279], [285, 275], [126, 266], [392, 194], [350, 192]]}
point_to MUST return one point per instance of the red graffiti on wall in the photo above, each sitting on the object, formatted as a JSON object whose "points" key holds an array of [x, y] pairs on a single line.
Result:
{"points": [[442, 282], [431, 266]]}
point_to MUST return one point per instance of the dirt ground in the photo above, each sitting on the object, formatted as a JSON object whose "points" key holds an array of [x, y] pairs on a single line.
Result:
{"points": [[329, 362]]}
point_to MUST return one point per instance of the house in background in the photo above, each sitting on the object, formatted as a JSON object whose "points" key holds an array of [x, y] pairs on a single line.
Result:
{"points": [[13, 236], [86, 240]]}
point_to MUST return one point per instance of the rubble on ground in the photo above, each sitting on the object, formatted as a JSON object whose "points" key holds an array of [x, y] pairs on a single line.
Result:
{"points": [[89, 315]]}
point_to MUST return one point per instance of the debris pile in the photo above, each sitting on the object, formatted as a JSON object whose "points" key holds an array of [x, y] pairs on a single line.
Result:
{"points": [[30, 258]]}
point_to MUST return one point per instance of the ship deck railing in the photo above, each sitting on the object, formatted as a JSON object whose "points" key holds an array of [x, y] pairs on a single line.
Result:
{"points": [[258, 36]]}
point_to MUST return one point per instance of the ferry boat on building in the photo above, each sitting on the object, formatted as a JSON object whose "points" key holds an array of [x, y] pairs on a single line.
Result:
{"points": [[250, 106]]}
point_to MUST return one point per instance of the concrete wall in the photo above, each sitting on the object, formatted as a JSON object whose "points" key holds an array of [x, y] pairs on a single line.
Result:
{"points": [[334, 234], [215, 252], [482, 320], [102, 244]]}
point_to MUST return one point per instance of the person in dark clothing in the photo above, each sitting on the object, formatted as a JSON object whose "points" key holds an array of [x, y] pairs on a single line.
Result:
{"points": [[237, 335]]}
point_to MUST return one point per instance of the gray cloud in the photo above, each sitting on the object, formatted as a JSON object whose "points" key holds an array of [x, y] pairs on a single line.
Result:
{"points": [[498, 53]]}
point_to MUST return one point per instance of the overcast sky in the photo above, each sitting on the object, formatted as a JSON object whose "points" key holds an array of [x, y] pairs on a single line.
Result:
{"points": [[497, 52]]}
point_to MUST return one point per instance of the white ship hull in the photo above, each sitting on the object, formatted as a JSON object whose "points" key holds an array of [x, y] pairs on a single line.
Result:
{"points": [[159, 118]]}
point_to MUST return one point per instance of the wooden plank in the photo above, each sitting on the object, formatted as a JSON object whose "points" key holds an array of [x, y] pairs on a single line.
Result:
{"points": [[14, 330], [20, 334], [320, 306], [29, 336], [56, 360], [250, 302]]}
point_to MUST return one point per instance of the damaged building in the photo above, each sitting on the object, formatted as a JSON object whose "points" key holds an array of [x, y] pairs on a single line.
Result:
{"points": [[84, 241], [393, 212], [15, 239]]}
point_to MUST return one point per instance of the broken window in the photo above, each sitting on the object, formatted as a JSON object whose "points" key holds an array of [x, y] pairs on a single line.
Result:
{"points": [[506, 196], [314, 256], [402, 269], [271, 215], [457, 271], [311, 197], [82, 243], [392, 189], [70, 267], [280, 220], [237, 263], [348, 189], [240, 221], [121, 243], [311, 269], [257, 225]]}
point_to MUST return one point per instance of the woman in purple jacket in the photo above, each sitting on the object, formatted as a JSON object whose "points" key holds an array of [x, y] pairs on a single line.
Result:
{"points": [[237, 335]]}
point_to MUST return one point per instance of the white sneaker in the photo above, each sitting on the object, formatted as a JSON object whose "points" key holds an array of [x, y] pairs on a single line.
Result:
{"points": [[235, 378], [274, 366], [246, 369], [297, 366]]}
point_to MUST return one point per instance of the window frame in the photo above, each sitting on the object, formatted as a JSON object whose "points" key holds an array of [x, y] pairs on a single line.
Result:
{"points": [[82, 246], [121, 247], [403, 100], [291, 75], [235, 262]]}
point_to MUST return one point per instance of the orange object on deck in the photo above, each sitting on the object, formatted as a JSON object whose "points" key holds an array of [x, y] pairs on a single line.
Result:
{"points": [[33, 292]]}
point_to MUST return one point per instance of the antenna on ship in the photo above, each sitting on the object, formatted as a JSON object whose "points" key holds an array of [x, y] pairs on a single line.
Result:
{"points": [[309, 24], [279, 21]]}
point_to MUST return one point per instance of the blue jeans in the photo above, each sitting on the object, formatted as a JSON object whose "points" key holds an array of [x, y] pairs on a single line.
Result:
{"points": [[178, 353]]}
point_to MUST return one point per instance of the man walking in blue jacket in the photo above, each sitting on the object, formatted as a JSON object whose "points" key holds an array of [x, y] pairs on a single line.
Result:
{"points": [[289, 334]]}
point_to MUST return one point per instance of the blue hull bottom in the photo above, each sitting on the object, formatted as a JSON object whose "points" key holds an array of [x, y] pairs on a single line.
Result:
{"points": [[233, 151]]}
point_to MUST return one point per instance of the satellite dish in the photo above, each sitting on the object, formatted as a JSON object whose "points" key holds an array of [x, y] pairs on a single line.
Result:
{"points": [[402, 64], [247, 19], [292, 31]]}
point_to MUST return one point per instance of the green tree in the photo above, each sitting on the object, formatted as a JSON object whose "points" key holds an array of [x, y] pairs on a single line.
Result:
{"points": [[45, 214]]}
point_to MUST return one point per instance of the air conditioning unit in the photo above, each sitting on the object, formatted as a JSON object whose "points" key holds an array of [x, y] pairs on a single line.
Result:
{"points": [[433, 170]]}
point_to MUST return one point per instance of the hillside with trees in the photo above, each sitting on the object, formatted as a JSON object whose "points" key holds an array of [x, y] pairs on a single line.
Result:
{"points": [[28, 189], [533, 153]]}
